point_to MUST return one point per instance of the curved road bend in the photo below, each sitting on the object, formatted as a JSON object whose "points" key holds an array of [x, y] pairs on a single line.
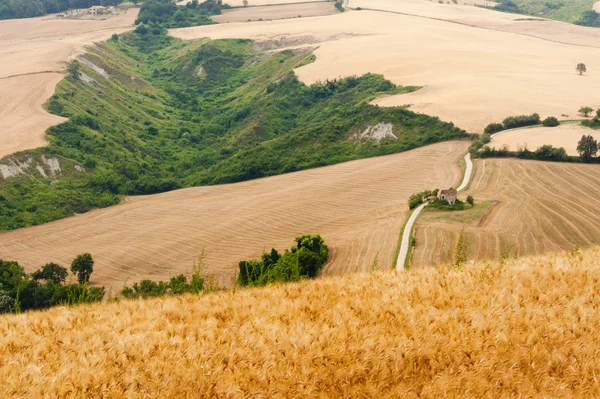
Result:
{"points": [[404, 245]]}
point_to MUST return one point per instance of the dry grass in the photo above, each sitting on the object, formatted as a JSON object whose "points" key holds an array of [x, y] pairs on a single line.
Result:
{"points": [[32, 53], [527, 328], [358, 207], [565, 135], [478, 66], [268, 13], [542, 207]]}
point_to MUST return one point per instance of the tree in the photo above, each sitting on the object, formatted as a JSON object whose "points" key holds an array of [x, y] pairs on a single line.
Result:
{"points": [[83, 266], [587, 147], [550, 122], [114, 37], [51, 272], [73, 69], [585, 111], [581, 68], [470, 200], [245, 3], [460, 254]]}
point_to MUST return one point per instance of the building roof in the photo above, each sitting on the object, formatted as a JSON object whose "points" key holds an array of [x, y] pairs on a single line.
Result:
{"points": [[449, 192]]}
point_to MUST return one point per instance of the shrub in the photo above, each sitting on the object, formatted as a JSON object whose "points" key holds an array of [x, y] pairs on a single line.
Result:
{"points": [[519, 121], [585, 111], [470, 200], [493, 128], [550, 122]]}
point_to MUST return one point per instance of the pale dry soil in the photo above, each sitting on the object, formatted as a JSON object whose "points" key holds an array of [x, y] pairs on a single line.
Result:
{"points": [[596, 7], [267, 13], [528, 328], [33, 53], [358, 207], [478, 66], [538, 207], [565, 135]]}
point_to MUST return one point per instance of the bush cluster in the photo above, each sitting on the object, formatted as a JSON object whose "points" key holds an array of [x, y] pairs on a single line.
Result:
{"points": [[46, 287], [305, 260], [417, 199], [520, 121], [550, 122], [544, 153]]}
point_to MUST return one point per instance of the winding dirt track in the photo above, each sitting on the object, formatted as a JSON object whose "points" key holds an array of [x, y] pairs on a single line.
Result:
{"points": [[32, 53], [357, 206], [542, 207]]}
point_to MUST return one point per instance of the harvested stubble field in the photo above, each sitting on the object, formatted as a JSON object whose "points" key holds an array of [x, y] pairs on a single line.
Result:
{"points": [[33, 52], [527, 328], [565, 135], [478, 66], [358, 207], [542, 207], [268, 13]]}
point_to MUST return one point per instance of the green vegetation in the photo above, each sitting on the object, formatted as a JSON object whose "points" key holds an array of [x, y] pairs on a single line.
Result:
{"points": [[550, 122], [571, 11], [586, 111], [34, 8], [438, 203], [175, 114], [588, 18], [198, 282], [544, 153], [305, 260], [42, 289], [587, 147], [339, 4], [520, 121], [594, 123], [166, 14], [468, 216], [418, 198], [493, 128]]}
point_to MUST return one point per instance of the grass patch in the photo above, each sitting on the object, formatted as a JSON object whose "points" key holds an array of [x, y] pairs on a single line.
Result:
{"points": [[467, 216]]}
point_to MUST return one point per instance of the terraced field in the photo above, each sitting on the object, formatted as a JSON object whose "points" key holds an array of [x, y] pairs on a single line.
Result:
{"points": [[539, 207], [358, 207]]}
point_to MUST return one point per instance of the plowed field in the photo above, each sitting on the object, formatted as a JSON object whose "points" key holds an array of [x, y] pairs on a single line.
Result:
{"points": [[358, 207]]}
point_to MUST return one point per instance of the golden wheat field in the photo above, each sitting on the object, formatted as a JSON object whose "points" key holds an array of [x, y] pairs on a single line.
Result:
{"points": [[33, 53], [525, 328], [537, 207], [358, 207]]}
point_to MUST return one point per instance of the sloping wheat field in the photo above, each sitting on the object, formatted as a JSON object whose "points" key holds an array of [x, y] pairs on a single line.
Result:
{"points": [[536, 207], [527, 328], [476, 66], [33, 53], [358, 207]]}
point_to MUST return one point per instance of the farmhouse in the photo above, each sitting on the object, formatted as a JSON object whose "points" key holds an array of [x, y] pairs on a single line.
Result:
{"points": [[95, 10], [449, 195]]}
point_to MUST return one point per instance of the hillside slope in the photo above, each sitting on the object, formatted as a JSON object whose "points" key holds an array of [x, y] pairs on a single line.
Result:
{"points": [[525, 328]]}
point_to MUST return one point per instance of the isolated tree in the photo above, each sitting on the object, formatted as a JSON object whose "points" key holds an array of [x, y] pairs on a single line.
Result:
{"points": [[470, 200], [585, 111], [51, 272], [581, 68], [587, 147], [83, 266], [245, 3], [73, 69]]}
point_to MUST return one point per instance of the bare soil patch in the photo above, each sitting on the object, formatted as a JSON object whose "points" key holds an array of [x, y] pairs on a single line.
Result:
{"points": [[358, 207], [267, 13]]}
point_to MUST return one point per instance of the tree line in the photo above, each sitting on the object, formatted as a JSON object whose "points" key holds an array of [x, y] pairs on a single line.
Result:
{"points": [[47, 286], [10, 9]]}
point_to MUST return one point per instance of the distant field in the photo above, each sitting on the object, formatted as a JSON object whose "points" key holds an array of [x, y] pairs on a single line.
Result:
{"points": [[358, 207], [528, 328], [267, 13], [565, 135], [540, 207], [240, 3], [562, 10], [33, 52], [482, 67]]}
